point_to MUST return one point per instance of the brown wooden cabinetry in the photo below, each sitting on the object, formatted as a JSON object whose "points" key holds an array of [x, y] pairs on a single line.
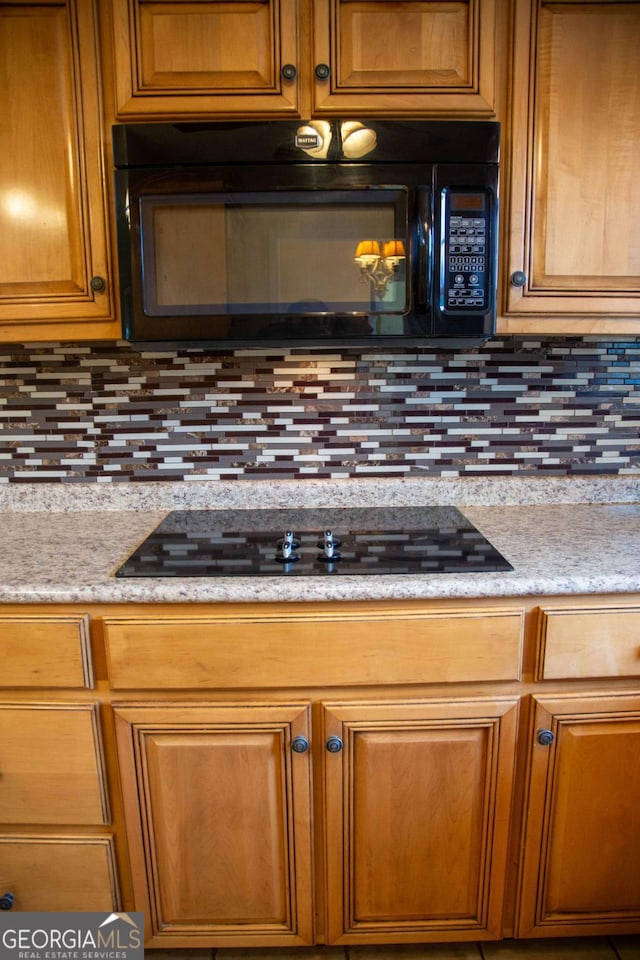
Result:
{"points": [[580, 871], [306, 58], [411, 797], [217, 800], [57, 851], [340, 773], [417, 804], [55, 275], [418, 800], [572, 251]]}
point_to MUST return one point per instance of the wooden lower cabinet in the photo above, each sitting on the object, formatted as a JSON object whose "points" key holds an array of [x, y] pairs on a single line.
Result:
{"points": [[218, 811], [59, 873], [414, 815], [417, 818], [581, 866]]}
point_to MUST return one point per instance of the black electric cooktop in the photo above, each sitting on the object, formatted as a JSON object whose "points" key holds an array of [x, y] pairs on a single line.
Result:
{"points": [[301, 542]]}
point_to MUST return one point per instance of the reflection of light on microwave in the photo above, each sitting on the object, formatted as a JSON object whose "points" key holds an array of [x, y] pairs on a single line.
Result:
{"points": [[357, 140], [23, 206], [379, 261]]}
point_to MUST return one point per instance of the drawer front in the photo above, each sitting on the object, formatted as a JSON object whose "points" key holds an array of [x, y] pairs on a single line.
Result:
{"points": [[51, 768], [368, 648], [47, 651], [588, 643], [59, 873]]}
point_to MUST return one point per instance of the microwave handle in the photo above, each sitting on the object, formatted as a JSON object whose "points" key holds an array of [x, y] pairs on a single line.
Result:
{"points": [[424, 244]]}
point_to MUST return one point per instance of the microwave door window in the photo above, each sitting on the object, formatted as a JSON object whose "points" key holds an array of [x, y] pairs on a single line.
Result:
{"points": [[270, 255]]}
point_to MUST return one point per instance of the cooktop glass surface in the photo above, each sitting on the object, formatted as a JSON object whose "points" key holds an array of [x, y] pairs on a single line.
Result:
{"points": [[302, 542]]}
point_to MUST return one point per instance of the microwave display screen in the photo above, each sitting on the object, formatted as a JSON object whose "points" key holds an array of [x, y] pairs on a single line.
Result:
{"points": [[293, 252], [468, 201]]}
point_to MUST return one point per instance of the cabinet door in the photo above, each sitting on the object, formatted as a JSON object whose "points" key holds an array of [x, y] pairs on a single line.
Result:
{"points": [[179, 58], [217, 804], [581, 867], [417, 819], [391, 58], [575, 191], [54, 261]]}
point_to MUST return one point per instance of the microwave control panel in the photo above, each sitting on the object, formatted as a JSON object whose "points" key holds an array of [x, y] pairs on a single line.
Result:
{"points": [[467, 272]]}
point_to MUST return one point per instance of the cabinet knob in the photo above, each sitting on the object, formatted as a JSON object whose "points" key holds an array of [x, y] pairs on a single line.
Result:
{"points": [[518, 278], [299, 744], [6, 901], [334, 744], [322, 71], [288, 72], [545, 737], [98, 284]]}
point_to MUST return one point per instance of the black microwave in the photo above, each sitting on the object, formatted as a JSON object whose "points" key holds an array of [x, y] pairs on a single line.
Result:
{"points": [[344, 232]]}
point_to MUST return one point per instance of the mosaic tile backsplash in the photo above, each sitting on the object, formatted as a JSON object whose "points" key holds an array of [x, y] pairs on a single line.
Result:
{"points": [[518, 406]]}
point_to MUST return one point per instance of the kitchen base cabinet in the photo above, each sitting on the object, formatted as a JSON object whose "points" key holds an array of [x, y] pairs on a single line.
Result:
{"points": [[51, 764], [581, 865], [217, 802], [350, 773], [418, 800], [59, 873]]}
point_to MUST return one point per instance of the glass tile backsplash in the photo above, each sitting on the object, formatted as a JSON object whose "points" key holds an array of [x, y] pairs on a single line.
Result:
{"points": [[523, 406]]}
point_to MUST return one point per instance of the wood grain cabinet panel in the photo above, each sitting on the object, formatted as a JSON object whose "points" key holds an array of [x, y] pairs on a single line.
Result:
{"points": [[51, 766], [391, 58], [190, 58], [418, 804], [53, 219], [178, 58], [589, 643], [574, 191], [59, 873], [580, 872], [373, 646], [51, 650], [217, 803]]}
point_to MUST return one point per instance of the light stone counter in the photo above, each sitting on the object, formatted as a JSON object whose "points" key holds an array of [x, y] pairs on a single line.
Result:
{"points": [[54, 549]]}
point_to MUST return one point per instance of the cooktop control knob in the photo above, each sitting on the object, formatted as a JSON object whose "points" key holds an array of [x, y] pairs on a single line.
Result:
{"points": [[286, 548], [329, 545]]}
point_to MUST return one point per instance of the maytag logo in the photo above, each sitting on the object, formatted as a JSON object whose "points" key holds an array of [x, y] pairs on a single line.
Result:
{"points": [[306, 140], [71, 936]]}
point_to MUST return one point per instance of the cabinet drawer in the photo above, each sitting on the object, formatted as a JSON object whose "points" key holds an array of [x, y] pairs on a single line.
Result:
{"points": [[45, 651], [588, 643], [385, 646], [51, 768], [59, 873]]}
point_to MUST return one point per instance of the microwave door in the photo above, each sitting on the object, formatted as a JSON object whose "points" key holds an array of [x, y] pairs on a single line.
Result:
{"points": [[276, 264]]}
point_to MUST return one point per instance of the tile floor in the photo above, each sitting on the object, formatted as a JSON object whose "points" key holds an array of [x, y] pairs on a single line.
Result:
{"points": [[588, 948]]}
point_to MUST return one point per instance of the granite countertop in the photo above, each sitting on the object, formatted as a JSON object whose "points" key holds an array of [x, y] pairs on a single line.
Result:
{"points": [[64, 547]]}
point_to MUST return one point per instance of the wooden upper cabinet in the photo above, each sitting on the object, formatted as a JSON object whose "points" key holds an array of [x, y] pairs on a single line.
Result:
{"points": [[575, 192], [580, 873], [54, 254], [418, 798], [392, 58], [176, 58], [190, 58]]}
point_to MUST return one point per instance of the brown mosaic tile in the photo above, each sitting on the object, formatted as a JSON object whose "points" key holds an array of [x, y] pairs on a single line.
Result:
{"points": [[554, 407]]}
